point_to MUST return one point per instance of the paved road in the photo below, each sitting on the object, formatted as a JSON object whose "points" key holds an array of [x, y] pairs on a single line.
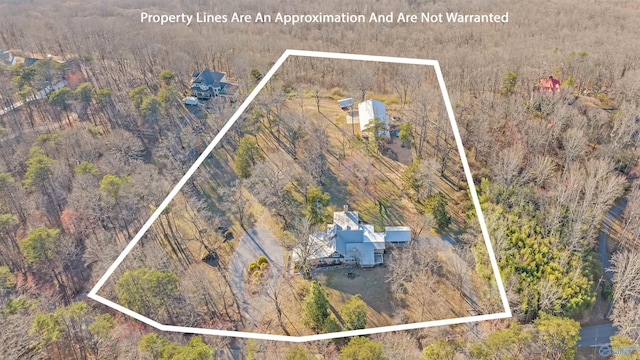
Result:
{"points": [[255, 242], [596, 335], [599, 334], [603, 251]]}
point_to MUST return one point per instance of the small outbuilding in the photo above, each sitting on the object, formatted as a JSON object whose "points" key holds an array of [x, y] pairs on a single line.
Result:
{"points": [[398, 235], [346, 104]]}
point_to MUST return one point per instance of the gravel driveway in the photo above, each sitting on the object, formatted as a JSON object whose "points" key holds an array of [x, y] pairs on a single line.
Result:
{"points": [[254, 242]]}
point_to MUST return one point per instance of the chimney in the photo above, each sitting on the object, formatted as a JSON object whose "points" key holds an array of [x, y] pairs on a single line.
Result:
{"points": [[345, 208]]}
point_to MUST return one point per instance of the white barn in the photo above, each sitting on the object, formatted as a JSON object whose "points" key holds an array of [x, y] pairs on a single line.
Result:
{"points": [[372, 109]]}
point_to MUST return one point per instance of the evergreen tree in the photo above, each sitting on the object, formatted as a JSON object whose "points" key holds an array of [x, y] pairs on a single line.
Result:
{"points": [[150, 107], [138, 95], [558, 335], [354, 313], [39, 245], [103, 96], [84, 93], [330, 326], [315, 306], [87, 168], [506, 343], [7, 280], [169, 97], [38, 168], [407, 135], [167, 76], [441, 350], [317, 202], [60, 98], [256, 75], [247, 155], [362, 348], [437, 206], [161, 348], [146, 290], [111, 185], [298, 353]]}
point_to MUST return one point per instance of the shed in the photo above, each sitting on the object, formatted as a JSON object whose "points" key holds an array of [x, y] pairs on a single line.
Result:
{"points": [[346, 104]]}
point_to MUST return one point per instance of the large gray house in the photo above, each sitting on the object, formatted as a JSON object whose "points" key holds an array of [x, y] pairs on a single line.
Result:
{"points": [[207, 84], [348, 241]]}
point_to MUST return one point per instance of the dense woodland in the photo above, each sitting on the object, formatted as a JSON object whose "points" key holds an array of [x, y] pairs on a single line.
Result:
{"points": [[83, 168]]}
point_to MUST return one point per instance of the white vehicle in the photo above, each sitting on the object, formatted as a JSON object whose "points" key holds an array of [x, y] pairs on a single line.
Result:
{"points": [[190, 100]]}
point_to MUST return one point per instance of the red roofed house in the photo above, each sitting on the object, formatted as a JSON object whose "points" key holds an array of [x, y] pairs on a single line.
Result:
{"points": [[548, 84], [74, 79]]}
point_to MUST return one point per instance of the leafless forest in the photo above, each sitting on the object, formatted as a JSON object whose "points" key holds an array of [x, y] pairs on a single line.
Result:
{"points": [[83, 168]]}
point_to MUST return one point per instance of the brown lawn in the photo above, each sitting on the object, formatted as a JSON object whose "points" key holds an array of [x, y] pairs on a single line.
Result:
{"points": [[369, 283]]}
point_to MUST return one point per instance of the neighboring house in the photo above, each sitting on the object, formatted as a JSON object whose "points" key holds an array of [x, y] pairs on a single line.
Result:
{"points": [[28, 61], [348, 241], [207, 84], [74, 79], [370, 110], [548, 84], [7, 57]]}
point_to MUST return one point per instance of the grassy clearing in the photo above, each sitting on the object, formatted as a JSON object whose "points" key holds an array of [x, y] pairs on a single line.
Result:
{"points": [[369, 283], [387, 99]]}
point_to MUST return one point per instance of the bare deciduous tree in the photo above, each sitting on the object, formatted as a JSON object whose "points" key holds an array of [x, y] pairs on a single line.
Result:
{"points": [[626, 293]]}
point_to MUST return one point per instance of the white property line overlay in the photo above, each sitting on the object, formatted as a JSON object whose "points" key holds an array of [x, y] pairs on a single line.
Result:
{"points": [[93, 294]]}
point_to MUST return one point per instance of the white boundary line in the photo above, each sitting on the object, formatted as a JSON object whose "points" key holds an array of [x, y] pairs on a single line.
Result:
{"points": [[93, 294]]}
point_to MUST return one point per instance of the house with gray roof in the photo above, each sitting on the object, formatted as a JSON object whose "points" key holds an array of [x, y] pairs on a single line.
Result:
{"points": [[28, 61], [7, 58], [207, 84], [349, 241]]}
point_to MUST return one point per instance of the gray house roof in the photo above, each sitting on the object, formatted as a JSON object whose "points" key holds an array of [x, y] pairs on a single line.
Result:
{"points": [[363, 252], [371, 236], [211, 82], [208, 77], [347, 237], [346, 220], [7, 57], [345, 103], [353, 240], [397, 234], [28, 61]]}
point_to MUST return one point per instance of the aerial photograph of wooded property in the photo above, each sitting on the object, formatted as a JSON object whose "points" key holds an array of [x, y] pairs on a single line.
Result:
{"points": [[337, 202], [319, 212]]}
